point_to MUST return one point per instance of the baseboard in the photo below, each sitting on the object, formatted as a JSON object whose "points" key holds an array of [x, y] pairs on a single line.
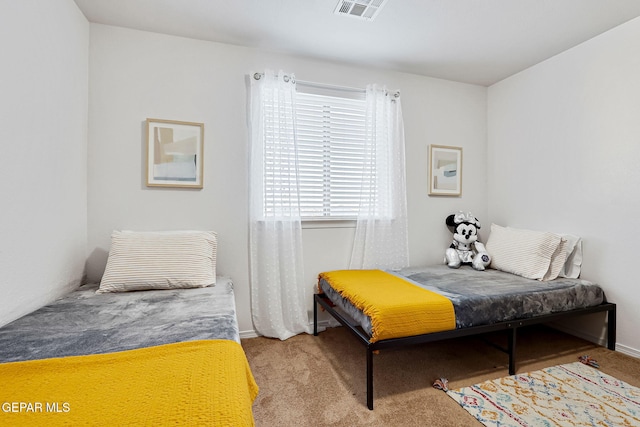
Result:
{"points": [[248, 334], [629, 351], [322, 325], [580, 334]]}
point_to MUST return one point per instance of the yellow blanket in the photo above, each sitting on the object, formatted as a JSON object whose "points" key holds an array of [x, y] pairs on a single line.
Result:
{"points": [[397, 308], [188, 384]]}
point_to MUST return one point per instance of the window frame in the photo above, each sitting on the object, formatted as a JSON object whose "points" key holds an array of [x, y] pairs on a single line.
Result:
{"points": [[335, 98]]}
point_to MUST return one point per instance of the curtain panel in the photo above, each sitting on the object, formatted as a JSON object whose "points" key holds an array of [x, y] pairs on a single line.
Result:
{"points": [[381, 238], [278, 295]]}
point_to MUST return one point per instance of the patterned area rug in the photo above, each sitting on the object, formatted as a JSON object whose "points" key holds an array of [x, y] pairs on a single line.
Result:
{"points": [[566, 395]]}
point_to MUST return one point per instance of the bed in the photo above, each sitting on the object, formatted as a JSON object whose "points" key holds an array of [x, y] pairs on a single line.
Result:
{"points": [[168, 355], [481, 302]]}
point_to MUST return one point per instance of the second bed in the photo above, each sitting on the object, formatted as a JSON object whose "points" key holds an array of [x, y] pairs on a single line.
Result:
{"points": [[461, 302]]}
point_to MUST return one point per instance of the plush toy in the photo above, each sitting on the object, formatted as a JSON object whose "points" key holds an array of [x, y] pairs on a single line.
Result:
{"points": [[466, 248]]}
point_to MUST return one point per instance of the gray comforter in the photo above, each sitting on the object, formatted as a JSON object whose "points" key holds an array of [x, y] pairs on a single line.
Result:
{"points": [[490, 296], [84, 322]]}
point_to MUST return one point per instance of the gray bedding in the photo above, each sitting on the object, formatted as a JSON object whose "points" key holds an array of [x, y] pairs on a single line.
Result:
{"points": [[490, 296], [84, 322]]}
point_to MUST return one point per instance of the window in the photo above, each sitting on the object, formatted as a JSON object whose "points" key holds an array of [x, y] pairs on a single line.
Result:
{"points": [[330, 130], [326, 153]]}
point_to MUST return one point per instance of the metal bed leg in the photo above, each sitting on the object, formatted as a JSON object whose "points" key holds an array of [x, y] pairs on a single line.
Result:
{"points": [[369, 378], [512, 351], [315, 318], [611, 329]]}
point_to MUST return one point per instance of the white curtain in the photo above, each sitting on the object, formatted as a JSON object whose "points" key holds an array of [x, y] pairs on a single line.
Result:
{"points": [[381, 238], [278, 295]]}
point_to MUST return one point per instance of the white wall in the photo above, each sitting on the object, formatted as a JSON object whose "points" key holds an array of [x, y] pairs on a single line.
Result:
{"points": [[43, 127], [563, 156], [135, 75]]}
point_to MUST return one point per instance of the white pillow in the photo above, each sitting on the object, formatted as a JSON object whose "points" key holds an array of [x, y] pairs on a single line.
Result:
{"points": [[160, 260], [558, 259], [531, 254], [573, 264]]}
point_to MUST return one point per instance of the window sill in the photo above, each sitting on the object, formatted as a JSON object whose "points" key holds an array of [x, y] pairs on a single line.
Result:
{"points": [[328, 223]]}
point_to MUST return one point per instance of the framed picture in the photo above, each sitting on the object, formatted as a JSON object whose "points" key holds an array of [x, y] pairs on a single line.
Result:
{"points": [[445, 170], [174, 153]]}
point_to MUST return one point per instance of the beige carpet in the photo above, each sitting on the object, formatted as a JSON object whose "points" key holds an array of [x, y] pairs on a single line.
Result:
{"points": [[320, 381]]}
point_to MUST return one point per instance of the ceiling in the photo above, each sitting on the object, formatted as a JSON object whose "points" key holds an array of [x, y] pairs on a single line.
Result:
{"points": [[472, 41]]}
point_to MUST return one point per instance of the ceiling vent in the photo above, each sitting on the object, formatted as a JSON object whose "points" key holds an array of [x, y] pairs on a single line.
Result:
{"points": [[362, 9]]}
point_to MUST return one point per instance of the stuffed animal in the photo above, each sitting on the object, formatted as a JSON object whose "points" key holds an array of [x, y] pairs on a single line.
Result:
{"points": [[466, 248]]}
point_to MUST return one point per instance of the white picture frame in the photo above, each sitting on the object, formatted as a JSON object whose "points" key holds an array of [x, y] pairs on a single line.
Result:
{"points": [[445, 170]]}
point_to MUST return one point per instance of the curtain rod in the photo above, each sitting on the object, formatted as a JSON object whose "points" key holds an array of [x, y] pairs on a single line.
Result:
{"points": [[395, 94]]}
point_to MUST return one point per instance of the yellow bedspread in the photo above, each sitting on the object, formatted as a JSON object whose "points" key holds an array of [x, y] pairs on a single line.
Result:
{"points": [[194, 383], [397, 308]]}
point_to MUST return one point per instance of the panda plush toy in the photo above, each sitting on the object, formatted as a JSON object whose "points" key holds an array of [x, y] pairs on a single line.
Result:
{"points": [[465, 248]]}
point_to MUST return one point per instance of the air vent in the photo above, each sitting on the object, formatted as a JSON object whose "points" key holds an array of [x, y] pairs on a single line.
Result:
{"points": [[361, 9]]}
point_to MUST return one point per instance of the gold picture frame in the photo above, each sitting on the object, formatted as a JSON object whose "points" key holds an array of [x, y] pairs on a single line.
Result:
{"points": [[174, 153], [445, 170]]}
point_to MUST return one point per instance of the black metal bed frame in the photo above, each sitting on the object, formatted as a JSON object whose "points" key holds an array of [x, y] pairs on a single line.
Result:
{"points": [[510, 326]]}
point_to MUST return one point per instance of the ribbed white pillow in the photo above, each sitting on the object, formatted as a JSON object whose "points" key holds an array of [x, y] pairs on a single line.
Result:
{"points": [[532, 254], [160, 260]]}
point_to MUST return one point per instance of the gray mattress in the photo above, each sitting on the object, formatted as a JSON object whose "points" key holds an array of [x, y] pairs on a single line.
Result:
{"points": [[487, 297], [84, 322]]}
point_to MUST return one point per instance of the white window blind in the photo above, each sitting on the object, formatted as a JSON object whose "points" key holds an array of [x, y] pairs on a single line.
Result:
{"points": [[331, 152]]}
